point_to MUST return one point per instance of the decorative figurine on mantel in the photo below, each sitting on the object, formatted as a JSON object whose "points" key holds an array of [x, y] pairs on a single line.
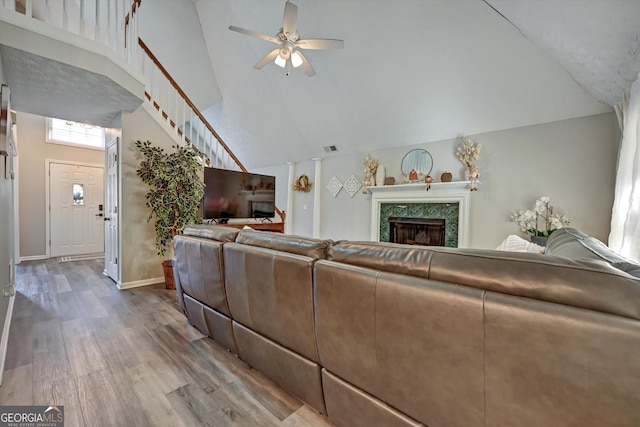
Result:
{"points": [[469, 153], [428, 180], [413, 175], [474, 177]]}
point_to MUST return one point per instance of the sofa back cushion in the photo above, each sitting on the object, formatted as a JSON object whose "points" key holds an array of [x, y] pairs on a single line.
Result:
{"points": [[414, 343], [574, 244], [214, 232], [580, 283], [200, 271], [269, 283], [552, 365], [305, 246]]}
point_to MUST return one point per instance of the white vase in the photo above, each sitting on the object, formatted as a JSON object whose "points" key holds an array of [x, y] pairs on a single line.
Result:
{"points": [[380, 175]]}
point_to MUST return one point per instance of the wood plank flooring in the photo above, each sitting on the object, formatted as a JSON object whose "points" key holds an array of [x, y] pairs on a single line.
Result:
{"points": [[128, 358]]}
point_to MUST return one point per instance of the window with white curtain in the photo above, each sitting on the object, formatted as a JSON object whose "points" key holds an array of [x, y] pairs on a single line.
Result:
{"points": [[67, 132], [625, 219]]}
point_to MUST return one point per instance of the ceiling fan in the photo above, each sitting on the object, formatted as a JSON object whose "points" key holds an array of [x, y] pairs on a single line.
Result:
{"points": [[289, 54]]}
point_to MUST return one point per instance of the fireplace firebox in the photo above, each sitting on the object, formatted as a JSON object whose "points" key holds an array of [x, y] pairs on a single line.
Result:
{"points": [[417, 231]]}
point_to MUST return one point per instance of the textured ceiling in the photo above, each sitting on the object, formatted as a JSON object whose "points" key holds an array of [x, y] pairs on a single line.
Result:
{"points": [[598, 42], [50, 88]]}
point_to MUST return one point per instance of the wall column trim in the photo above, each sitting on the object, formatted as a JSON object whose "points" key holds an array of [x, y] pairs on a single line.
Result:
{"points": [[288, 224], [317, 208]]}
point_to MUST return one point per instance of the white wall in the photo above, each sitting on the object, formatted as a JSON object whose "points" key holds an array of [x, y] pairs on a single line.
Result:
{"points": [[171, 29], [7, 265], [572, 161], [32, 189]]}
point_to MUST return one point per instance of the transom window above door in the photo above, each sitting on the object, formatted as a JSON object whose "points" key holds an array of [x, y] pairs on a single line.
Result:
{"points": [[67, 132]]}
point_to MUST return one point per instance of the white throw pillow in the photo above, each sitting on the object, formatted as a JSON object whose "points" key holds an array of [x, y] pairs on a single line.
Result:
{"points": [[515, 243]]}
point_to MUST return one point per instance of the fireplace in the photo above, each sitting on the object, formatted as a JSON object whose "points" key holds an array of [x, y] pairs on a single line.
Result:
{"points": [[444, 200], [417, 231]]}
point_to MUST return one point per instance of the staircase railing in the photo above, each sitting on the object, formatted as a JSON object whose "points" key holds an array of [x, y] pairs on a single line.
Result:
{"points": [[182, 115]]}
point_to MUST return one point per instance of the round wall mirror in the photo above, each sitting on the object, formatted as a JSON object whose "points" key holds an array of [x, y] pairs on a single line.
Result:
{"points": [[417, 160]]}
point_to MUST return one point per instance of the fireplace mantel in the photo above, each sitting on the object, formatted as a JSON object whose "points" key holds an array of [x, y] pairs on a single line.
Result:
{"points": [[439, 192]]}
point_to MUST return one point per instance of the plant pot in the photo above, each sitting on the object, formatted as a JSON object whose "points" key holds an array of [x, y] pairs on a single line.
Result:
{"points": [[539, 240], [169, 280]]}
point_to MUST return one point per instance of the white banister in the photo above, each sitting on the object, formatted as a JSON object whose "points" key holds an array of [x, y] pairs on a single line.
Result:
{"points": [[28, 8]]}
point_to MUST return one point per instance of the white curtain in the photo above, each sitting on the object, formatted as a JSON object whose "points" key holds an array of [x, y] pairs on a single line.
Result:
{"points": [[625, 218]]}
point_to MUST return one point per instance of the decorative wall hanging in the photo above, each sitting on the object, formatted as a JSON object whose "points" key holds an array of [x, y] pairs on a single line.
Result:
{"points": [[352, 185], [334, 186], [302, 184]]}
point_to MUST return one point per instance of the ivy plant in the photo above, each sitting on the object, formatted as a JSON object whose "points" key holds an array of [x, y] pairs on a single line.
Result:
{"points": [[176, 189]]}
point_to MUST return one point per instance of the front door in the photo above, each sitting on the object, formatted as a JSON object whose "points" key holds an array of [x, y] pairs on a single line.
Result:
{"points": [[76, 209], [111, 212]]}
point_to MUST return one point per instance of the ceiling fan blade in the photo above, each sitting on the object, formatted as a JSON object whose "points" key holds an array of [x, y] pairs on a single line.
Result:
{"points": [[320, 44], [254, 34], [269, 57], [290, 21], [305, 65]]}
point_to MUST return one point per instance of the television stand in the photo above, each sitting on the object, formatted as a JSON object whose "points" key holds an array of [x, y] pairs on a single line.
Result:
{"points": [[277, 227]]}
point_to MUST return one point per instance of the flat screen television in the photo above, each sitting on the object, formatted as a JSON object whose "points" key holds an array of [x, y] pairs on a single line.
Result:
{"points": [[231, 194]]}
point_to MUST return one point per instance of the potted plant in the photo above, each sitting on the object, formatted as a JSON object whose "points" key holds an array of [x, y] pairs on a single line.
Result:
{"points": [[540, 221], [175, 193]]}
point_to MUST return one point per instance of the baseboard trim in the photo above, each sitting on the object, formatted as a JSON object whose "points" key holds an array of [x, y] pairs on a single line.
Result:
{"points": [[139, 283], [33, 258], [4, 341]]}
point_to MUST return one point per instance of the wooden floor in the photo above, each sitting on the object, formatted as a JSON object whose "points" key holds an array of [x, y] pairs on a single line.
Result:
{"points": [[128, 358]]}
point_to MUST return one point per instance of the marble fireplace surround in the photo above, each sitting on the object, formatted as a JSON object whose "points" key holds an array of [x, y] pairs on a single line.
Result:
{"points": [[441, 192]]}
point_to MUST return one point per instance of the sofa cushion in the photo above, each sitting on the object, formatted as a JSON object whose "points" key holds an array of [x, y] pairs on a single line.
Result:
{"points": [[574, 244], [415, 344], [271, 292], [553, 365], [591, 284], [309, 247], [198, 266], [213, 232]]}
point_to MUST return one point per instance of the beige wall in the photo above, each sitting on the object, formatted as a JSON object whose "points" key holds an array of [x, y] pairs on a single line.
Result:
{"points": [[572, 161], [33, 152], [139, 258]]}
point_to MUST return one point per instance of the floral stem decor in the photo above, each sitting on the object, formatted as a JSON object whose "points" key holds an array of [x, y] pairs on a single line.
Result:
{"points": [[541, 220], [468, 153], [370, 169]]}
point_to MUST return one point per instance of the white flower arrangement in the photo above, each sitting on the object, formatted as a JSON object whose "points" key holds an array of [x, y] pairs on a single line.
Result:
{"points": [[529, 220], [469, 152], [370, 165]]}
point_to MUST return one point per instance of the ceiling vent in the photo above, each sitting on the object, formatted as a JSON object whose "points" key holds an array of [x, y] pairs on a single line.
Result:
{"points": [[330, 149]]}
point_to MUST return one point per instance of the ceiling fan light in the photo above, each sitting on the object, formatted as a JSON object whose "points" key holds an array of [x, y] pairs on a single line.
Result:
{"points": [[280, 61], [296, 59]]}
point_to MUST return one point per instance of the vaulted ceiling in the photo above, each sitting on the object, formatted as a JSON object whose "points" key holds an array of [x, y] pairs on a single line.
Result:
{"points": [[415, 71], [411, 71]]}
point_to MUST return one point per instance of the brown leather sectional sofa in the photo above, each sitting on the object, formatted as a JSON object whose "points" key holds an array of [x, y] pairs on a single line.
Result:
{"points": [[375, 334]]}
